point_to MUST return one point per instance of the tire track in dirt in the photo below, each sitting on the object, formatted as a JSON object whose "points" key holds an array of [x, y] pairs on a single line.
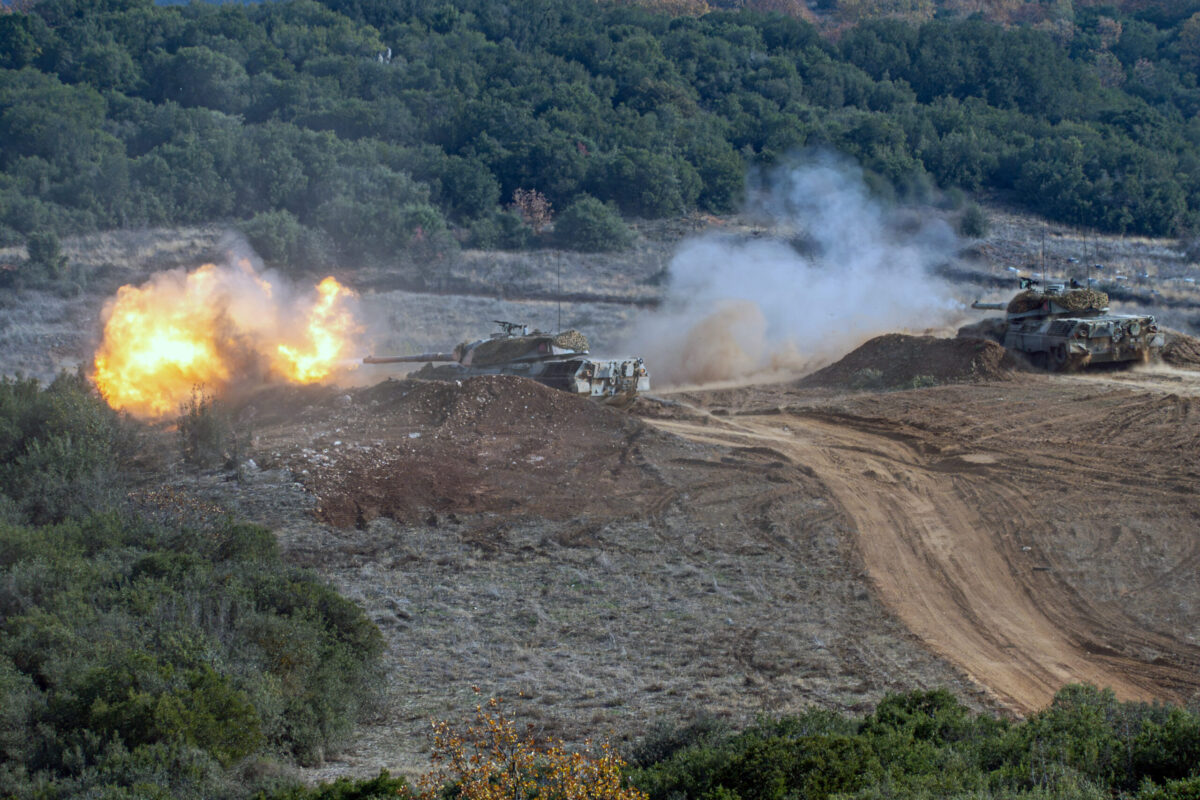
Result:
{"points": [[941, 540]]}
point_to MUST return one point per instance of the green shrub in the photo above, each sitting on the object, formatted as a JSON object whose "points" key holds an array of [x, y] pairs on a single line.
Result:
{"points": [[664, 740], [130, 649], [204, 429], [925, 744], [502, 230], [275, 236], [45, 254], [590, 226], [1168, 748], [381, 786], [811, 767], [1185, 789], [974, 222], [61, 448]]}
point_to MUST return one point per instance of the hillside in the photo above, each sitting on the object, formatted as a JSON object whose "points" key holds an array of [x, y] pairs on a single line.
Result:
{"points": [[294, 121]]}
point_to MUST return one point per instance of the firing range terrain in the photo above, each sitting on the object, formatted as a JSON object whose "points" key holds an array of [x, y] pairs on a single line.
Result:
{"points": [[757, 548]]}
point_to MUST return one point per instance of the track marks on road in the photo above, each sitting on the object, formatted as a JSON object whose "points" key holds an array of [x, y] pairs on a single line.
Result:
{"points": [[942, 539]]}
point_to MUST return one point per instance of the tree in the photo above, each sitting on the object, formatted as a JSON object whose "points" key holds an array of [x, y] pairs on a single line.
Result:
{"points": [[974, 222], [1189, 42], [280, 239], [199, 76], [590, 226], [533, 207], [46, 254]]}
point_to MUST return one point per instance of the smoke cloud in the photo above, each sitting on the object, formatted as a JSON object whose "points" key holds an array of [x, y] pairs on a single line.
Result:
{"points": [[833, 269]]}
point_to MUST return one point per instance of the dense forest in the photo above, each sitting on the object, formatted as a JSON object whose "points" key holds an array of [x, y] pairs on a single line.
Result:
{"points": [[370, 130]]}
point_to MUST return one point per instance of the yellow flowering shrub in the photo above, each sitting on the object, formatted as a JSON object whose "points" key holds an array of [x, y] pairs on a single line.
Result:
{"points": [[492, 760]]}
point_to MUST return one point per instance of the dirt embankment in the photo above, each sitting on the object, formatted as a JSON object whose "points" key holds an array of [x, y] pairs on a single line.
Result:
{"points": [[1182, 350], [898, 360], [413, 450]]}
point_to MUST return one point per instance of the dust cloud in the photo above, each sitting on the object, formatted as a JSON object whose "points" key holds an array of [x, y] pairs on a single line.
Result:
{"points": [[826, 268]]}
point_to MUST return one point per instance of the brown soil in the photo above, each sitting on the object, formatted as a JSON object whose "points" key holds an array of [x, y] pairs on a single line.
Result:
{"points": [[449, 448], [896, 360], [1182, 350], [1023, 532]]}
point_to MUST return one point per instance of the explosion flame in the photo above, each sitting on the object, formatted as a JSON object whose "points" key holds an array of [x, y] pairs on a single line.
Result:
{"points": [[218, 326]]}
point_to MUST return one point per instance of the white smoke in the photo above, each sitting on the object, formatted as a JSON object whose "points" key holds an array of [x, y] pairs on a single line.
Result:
{"points": [[833, 269]]}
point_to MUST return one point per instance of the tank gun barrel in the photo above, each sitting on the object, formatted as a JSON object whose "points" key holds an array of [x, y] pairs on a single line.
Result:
{"points": [[989, 306], [417, 359]]}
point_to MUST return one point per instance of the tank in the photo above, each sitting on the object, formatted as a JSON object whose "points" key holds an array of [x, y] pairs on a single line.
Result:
{"points": [[558, 360], [1064, 329]]}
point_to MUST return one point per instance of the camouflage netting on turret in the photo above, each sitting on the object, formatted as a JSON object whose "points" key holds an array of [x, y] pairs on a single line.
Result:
{"points": [[572, 340], [1074, 300]]}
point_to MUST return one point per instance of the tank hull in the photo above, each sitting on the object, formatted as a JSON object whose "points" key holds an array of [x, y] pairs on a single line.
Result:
{"points": [[599, 378], [558, 360], [1062, 330], [1066, 343]]}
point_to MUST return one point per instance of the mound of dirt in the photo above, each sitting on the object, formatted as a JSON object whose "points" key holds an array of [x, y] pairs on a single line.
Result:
{"points": [[897, 360], [1182, 350], [411, 450]]}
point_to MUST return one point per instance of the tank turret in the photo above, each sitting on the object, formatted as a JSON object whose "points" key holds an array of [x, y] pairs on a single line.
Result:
{"points": [[1064, 328], [558, 360]]}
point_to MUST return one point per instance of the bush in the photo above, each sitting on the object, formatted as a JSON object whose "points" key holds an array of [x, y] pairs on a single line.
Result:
{"points": [[378, 788], [974, 222], [129, 651], [45, 254], [204, 430], [592, 227], [664, 740], [1186, 789], [811, 767], [280, 239], [61, 448], [924, 744], [503, 230]]}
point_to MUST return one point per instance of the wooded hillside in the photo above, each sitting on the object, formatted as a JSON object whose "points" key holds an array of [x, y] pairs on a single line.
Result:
{"points": [[364, 129]]}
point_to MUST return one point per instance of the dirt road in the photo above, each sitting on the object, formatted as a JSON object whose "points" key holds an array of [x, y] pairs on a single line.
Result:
{"points": [[969, 506]]}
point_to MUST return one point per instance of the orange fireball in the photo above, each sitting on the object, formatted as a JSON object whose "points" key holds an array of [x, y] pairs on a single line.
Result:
{"points": [[330, 324], [216, 327]]}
